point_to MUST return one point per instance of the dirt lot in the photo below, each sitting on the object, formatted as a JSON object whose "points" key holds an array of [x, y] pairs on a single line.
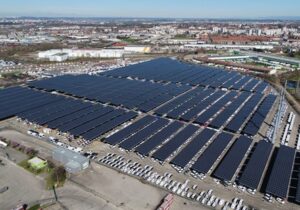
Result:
{"points": [[24, 187], [127, 192], [96, 187]]}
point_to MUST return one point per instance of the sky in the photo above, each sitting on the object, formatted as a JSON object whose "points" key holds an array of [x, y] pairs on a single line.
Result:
{"points": [[151, 8]]}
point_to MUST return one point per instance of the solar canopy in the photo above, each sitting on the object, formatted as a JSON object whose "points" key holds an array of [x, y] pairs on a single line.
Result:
{"points": [[254, 169], [279, 179], [230, 163]]}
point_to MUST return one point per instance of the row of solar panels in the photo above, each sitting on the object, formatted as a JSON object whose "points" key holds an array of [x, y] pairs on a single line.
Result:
{"points": [[17, 100], [130, 93], [254, 124], [165, 69], [201, 150], [58, 112], [243, 114], [296, 175], [211, 107]]}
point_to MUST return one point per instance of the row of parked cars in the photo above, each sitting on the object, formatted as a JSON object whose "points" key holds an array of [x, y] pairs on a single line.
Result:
{"points": [[54, 141], [183, 189], [285, 138], [129, 167], [298, 139], [89, 154], [270, 199]]}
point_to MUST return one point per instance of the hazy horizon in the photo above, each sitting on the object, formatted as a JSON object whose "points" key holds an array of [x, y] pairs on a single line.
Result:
{"points": [[204, 9]]}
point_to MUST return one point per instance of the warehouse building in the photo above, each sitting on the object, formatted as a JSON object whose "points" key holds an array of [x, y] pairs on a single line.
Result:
{"points": [[72, 161]]}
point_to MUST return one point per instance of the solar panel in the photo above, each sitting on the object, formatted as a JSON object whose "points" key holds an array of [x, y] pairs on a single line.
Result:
{"points": [[235, 124], [179, 109], [230, 163], [211, 111], [85, 119], [187, 153], [107, 126], [174, 103], [146, 147], [64, 112], [143, 95], [145, 133], [297, 198], [249, 87], [22, 100], [254, 124], [77, 131], [192, 113], [211, 154], [124, 133], [220, 120], [173, 144], [254, 169], [279, 178], [68, 118]]}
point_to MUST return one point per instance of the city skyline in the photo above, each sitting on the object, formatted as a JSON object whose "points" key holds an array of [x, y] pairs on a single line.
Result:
{"points": [[142, 8]]}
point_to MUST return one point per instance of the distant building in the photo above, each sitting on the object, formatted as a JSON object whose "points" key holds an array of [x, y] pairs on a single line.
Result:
{"points": [[64, 54], [72, 161], [137, 49], [227, 46]]}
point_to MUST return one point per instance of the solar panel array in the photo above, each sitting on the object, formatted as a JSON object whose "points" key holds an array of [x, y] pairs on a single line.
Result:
{"points": [[157, 139], [216, 107], [64, 114], [230, 163], [188, 152], [174, 143], [254, 124], [195, 110], [297, 198], [165, 69], [237, 121], [130, 93], [181, 97], [254, 169], [180, 105], [279, 179], [145, 133], [225, 114], [129, 130], [16, 100], [211, 154]]}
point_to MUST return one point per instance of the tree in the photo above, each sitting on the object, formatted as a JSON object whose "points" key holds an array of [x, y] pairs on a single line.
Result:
{"points": [[50, 164], [31, 152], [59, 174]]}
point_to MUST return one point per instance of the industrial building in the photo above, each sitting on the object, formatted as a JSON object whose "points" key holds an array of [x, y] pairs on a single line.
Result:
{"points": [[72, 161], [64, 54], [60, 55]]}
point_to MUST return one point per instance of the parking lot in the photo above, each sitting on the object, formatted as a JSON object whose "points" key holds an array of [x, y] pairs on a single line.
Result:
{"points": [[204, 136], [203, 185]]}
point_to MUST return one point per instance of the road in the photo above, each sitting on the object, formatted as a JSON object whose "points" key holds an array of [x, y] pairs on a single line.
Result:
{"points": [[274, 57]]}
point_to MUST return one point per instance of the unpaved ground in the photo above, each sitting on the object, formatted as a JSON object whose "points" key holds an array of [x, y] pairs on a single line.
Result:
{"points": [[127, 192]]}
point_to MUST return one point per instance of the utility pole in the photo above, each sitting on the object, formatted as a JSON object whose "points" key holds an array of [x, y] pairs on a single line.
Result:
{"points": [[278, 116], [54, 191]]}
